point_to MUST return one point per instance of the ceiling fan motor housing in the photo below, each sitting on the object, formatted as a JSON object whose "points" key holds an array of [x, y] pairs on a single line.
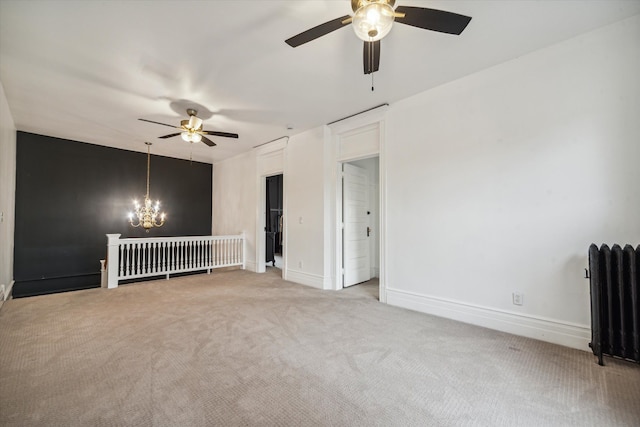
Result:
{"points": [[357, 4]]}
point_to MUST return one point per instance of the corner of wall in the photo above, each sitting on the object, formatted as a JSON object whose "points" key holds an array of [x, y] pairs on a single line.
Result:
{"points": [[7, 190]]}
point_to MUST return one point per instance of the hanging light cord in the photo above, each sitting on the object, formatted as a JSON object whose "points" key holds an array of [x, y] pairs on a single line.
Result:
{"points": [[148, 166]]}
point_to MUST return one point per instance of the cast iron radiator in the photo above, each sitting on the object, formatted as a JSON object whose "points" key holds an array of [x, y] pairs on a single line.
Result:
{"points": [[615, 305]]}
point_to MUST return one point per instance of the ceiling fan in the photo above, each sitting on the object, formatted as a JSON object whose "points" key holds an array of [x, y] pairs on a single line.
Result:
{"points": [[372, 20], [191, 129]]}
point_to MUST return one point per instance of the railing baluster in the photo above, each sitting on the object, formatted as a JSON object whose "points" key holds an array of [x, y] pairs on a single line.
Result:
{"points": [[130, 259], [182, 254], [235, 251], [191, 254], [121, 247], [173, 256], [145, 250]]}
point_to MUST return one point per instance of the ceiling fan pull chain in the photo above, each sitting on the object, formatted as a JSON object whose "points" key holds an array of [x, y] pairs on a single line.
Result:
{"points": [[371, 61]]}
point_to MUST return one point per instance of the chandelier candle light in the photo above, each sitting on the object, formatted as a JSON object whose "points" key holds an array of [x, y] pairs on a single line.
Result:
{"points": [[147, 214]]}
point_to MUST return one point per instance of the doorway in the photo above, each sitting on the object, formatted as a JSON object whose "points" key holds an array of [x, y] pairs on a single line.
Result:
{"points": [[361, 222], [274, 221]]}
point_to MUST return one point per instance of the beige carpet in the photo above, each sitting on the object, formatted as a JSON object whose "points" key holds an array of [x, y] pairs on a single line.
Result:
{"points": [[240, 349]]}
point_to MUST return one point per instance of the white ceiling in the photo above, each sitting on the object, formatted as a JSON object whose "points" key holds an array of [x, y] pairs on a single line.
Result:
{"points": [[87, 70]]}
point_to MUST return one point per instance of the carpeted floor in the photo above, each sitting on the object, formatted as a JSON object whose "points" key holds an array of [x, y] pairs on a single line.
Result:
{"points": [[241, 349]]}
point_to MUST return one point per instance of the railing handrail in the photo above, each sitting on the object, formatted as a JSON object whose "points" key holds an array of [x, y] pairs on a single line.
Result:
{"points": [[176, 238]]}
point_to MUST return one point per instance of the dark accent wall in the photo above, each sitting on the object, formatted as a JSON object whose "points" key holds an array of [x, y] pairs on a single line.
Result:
{"points": [[70, 194]]}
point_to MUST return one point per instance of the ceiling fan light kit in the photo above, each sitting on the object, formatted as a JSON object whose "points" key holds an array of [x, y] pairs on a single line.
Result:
{"points": [[372, 21], [191, 130], [191, 136]]}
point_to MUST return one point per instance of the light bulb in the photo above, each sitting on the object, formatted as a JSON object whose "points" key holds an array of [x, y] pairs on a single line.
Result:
{"points": [[195, 123], [373, 21], [186, 136], [196, 137]]}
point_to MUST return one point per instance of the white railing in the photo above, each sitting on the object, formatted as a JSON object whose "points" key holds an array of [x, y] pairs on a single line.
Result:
{"points": [[163, 256]]}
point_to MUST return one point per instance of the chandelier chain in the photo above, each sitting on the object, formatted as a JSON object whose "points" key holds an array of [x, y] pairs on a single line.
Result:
{"points": [[148, 167]]}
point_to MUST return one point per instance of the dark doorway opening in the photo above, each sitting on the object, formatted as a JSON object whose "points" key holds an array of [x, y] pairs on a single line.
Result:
{"points": [[273, 221]]}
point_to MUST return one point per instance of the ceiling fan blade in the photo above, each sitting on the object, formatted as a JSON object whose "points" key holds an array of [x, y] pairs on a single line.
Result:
{"points": [[371, 57], [158, 123], [171, 135], [315, 32], [216, 133], [433, 19], [209, 142]]}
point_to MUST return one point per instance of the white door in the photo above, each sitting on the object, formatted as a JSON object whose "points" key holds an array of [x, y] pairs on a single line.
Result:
{"points": [[355, 234]]}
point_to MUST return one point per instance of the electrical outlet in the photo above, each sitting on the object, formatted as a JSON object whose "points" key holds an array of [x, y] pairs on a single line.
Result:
{"points": [[518, 298], [299, 264]]}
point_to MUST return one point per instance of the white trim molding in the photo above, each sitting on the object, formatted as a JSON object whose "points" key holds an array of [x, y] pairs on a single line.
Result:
{"points": [[549, 330], [376, 114], [251, 266], [271, 146], [308, 279], [7, 293]]}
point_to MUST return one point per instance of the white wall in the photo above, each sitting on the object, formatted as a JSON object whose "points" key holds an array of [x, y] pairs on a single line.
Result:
{"points": [[498, 182], [234, 201], [495, 183], [304, 216], [7, 192]]}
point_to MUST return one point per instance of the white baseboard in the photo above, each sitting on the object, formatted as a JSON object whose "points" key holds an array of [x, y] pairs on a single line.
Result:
{"points": [[313, 280], [553, 331], [251, 266], [7, 293]]}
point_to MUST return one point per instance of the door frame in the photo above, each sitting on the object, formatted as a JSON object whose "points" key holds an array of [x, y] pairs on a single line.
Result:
{"points": [[338, 152], [270, 162]]}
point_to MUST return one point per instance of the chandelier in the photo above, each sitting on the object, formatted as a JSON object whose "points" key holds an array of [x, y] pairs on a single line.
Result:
{"points": [[147, 214]]}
